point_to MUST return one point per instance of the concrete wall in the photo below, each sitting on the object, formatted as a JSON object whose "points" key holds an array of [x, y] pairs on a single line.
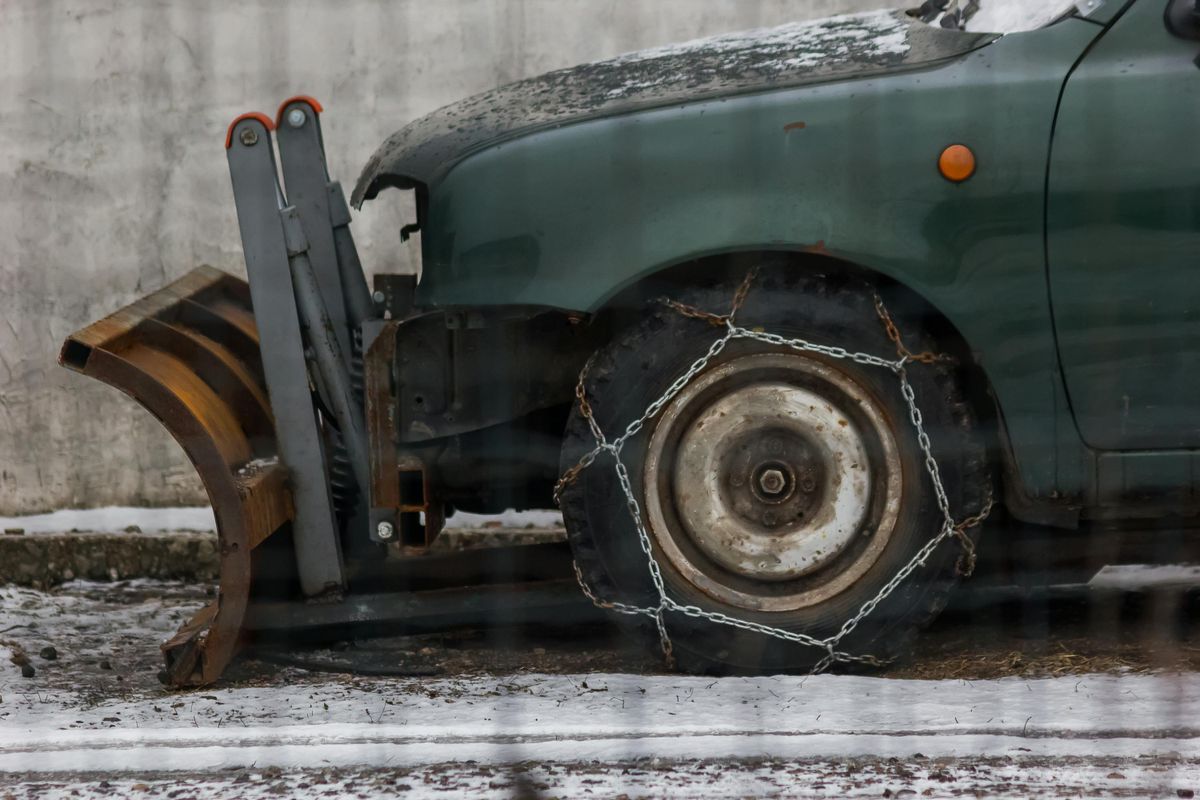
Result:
{"points": [[113, 178]]}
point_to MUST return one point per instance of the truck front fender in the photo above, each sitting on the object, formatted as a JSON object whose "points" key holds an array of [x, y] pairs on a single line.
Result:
{"points": [[570, 217]]}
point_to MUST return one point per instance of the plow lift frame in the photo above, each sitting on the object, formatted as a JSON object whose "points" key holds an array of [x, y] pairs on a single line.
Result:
{"points": [[226, 368], [279, 391]]}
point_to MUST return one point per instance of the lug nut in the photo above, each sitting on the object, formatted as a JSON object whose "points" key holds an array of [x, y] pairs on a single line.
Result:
{"points": [[385, 531], [772, 481], [296, 117]]}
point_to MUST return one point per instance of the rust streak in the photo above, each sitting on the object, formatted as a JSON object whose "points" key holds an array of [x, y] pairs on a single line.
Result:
{"points": [[794, 126]]}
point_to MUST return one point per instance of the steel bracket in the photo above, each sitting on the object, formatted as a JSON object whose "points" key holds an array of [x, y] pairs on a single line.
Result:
{"points": [[260, 202]]}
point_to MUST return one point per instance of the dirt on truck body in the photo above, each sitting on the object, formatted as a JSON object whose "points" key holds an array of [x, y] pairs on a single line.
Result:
{"points": [[779, 320]]}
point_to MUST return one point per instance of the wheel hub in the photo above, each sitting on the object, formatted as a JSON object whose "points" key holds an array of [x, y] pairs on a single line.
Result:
{"points": [[772, 481], [789, 439], [772, 475]]}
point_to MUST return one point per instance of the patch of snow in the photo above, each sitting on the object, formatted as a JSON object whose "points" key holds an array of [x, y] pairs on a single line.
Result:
{"points": [[1015, 16], [257, 465], [1146, 576], [610, 718], [508, 519], [884, 29], [385, 747], [794, 46], [643, 735], [116, 519]]}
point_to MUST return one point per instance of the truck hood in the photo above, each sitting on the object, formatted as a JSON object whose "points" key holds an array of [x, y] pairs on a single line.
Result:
{"points": [[772, 58]]}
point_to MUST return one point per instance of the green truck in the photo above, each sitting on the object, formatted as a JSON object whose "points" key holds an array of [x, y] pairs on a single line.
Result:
{"points": [[776, 318]]}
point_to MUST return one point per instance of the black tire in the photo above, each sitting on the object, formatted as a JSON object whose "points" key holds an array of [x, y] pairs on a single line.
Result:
{"points": [[638, 365]]}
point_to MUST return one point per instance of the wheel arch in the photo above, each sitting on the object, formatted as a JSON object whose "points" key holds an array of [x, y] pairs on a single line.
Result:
{"points": [[624, 303]]}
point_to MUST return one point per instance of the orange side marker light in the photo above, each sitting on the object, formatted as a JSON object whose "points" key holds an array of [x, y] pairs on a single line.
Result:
{"points": [[957, 163]]}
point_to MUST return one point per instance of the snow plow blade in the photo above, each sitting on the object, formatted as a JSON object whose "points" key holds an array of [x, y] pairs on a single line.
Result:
{"points": [[189, 354]]}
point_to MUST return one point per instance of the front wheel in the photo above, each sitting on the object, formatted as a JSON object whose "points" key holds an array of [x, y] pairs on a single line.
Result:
{"points": [[778, 487]]}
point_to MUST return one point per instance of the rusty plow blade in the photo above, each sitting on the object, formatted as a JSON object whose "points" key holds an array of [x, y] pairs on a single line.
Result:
{"points": [[189, 354]]}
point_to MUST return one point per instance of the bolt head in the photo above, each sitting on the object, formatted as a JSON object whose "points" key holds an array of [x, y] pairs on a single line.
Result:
{"points": [[296, 117], [379, 297], [385, 531], [249, 137], [772, 481]]}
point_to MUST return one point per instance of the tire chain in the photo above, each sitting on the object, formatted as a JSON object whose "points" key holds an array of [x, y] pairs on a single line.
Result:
{"points": [[732, 331]]}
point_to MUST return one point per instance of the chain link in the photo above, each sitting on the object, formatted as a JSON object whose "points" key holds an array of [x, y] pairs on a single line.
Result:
{"points": [[717, 320], [893, 333], [666, 604]]}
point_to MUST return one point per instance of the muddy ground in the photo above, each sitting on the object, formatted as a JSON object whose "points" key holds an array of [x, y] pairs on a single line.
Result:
{"points": [[105, 636], [656, 778], [93, 652]]}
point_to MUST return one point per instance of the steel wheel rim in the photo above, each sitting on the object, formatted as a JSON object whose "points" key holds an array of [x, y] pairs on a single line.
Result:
{"points": [[755, 485]]}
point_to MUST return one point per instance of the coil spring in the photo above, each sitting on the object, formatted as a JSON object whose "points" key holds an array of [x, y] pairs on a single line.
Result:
{"points": [[343, 488]]}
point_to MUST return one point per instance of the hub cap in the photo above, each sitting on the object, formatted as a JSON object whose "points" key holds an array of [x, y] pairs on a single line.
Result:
{"points": [[772, 482]]}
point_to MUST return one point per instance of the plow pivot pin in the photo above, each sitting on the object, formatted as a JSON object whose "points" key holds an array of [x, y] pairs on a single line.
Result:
{"points": [[249, 137], [385, 530], [296, 117]]}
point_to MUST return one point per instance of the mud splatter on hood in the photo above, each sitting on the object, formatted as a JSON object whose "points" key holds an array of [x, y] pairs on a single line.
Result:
{"points": [[789, 55]]}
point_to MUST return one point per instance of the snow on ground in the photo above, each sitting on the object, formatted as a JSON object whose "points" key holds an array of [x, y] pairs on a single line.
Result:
{"points": [[610, 734], [611, 718], [1145, 576], [928, 777], [96, 706], [509, 519], [93, 723], [116, 519], [84, 727]]}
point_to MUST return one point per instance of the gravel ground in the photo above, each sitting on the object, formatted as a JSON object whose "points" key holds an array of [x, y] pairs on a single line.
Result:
{"points": [[1075, 694], [918, 777]]}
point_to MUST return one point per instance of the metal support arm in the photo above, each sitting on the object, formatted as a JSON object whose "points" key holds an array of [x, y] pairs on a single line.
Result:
{"points": [[259, 203]]}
